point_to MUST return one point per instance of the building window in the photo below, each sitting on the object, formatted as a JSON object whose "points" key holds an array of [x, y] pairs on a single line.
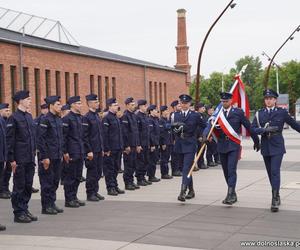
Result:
{"points": [[150, 93], [37, 88], [48, 82], [76, 84], [160, 95], [155, 93], [114, 87], [106, 87], [57, 83], [1, 83], [13, 80], [100, 90], [25, 78], [67, 85], [92, 84], [165, 94]]}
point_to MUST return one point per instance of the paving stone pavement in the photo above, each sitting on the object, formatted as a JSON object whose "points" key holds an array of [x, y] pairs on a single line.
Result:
{"points": [[151, 218]]}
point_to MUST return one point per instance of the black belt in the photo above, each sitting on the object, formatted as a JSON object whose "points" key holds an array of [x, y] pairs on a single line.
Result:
{"points": [[271, 134]]}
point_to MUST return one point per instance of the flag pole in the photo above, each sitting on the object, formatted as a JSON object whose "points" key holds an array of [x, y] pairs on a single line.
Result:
{"points": [[212, 128]]}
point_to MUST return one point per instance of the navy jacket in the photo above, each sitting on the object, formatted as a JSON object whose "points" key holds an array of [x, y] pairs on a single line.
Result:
{"points": [[3, 147], [73, 135], [274, 144], [236, 118], [188, 143], [92, 132], [50, 140], [20, 137], [112, 134], [154, 131], [143, 127], [130, 130], [37, 122], [203, 123], [165, 137]]}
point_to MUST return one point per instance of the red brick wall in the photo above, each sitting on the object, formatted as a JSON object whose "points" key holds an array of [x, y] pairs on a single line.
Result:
{"points": [[130, 79]]}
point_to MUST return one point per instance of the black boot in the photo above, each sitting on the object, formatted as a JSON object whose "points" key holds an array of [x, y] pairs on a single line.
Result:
{"points": [[231, 197], [275, 201], [191, 193], [181, 196]]}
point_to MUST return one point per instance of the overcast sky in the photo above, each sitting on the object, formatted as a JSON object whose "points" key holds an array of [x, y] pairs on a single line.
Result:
{"points": [[148, 29]]}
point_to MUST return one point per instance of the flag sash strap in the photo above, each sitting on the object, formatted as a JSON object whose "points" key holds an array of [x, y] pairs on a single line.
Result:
{"points": [[228, 130]]}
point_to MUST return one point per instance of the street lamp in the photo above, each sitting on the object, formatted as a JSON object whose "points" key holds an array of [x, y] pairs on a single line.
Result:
{"points": [[229, 5], [291, 37], [276, 67]]}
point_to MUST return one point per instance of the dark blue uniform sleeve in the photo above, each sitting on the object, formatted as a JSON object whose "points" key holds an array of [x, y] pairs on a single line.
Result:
{"points": [[125, 130], [66, 128], [86, 134], [255, 126], [42, 140], [10, 138], [152, 133], [162, 133], [246, 123], [105, 126], [290, 121]]}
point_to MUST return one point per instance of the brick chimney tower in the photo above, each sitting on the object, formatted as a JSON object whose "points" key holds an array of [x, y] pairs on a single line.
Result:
{"points": [[182, 50]]}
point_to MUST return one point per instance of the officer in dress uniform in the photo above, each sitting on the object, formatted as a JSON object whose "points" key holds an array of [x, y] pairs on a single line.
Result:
{"points": [[154, 142], [3, 153], [165, 142], [50, 146], [228, 149], [176, 168], [212, 155], [144, 138], [113, 145], [93, 144], [21, 146], [131, 143], [65, 109], [269, 122], [186, 126], [6, 174], [120, 170], [73, 149]]}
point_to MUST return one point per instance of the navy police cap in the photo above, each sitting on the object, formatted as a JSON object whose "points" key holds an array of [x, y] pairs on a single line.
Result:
{"points": [[225, 95], [111, 101], [65, 107], [129, 100], [21, 95], [270, 93], [174, 103], [91, 97], [163, 108], [185, 98], [141, 102], [151, 107], [51, 99], [4, 106], [73, 99]]}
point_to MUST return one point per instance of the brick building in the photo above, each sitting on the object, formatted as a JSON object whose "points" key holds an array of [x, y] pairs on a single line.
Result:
{"points": [[47, 67]]}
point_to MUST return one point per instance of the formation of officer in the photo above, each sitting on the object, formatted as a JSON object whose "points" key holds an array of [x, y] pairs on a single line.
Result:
{"points": [[269, 122]]}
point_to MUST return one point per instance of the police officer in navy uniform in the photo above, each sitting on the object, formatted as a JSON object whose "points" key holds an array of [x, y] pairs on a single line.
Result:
{"points": [[175, 165], [186, 126], [165, 142], [5, 175], [154, 142], [73, 149], [65, 109], [228, 149], [93, 148], [131, 143], [50, 146], [21, 146], [113, 145], [119, 115], [144, 138], [269, 122]]}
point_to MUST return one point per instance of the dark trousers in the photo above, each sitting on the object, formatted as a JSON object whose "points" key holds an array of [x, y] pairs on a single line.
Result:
{"points": [[49, 180], [120, 161], [186, 161], [1, 176], [153, 159], [212, 154], [73, 174], [129, 166], [5, 177], [164, 160], [142, 163], [229, 164], [22, 188], [175, 160], [273, 164], [110, 169], [93, 174], [201, 158]]}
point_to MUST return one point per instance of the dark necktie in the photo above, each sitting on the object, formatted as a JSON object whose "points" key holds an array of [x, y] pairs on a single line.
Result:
{"points": [[225, 113]]}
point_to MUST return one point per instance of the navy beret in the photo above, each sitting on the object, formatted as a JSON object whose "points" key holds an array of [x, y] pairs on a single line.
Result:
{"points": [[44, 106], [91, 97], [174, 103], [151, 107], [21, 95], [163, 108], [65, 107], [105, 110], [185, 98], [51, 99], [141, 102], [225, 95], [270, 93], [110, 101], [4, 106], [129, 100], [73, 99]]}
